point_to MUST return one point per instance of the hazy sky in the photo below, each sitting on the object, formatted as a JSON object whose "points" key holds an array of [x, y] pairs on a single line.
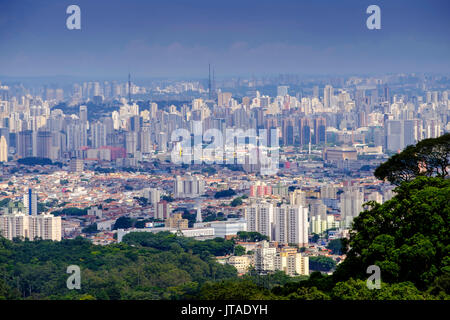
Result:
{"points": [[167, 38]]}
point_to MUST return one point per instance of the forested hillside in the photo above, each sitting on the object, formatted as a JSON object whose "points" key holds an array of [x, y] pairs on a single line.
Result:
{"points": [[37, 270]]}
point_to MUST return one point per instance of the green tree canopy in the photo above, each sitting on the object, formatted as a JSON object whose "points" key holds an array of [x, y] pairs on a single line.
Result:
{"points": [[407, 237], [321, 263], [123, 223], [251, 236], [429, 157], [236, 202], [224, 193], [335, 246], [239, 250]]}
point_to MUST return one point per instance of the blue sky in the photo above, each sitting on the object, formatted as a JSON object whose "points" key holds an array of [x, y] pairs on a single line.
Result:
{"points": [[170, 38]]}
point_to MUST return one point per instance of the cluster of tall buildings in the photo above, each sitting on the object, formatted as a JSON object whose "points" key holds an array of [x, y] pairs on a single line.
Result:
{"points": [[331, 125], [24, 222], [285, 224], [288, 216], [368, 114]]}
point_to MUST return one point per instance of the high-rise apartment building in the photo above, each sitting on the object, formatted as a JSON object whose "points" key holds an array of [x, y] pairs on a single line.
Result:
{"points": [[188, 186], [83, 114], [401, 133], [25, 144], [351, 203], [259, 217], [18, 224], [327, 95], [320, 134], [152, 194], [291, 225], [260, 189], [3, 149], [98, 135], [297, 198], [163, 210], [30, 203], [320, 223], [44, 144], [265, 258], [224, 99], [328, 191]]}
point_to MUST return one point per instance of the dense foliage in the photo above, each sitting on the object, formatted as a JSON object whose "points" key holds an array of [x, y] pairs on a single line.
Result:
{"points": [[429, 157], [71, 212], [335, 246], [321, 263], [169, 241], [251, 236], [236, 202], [224, 193], [166, 268], [32, 161], [407, 237]]}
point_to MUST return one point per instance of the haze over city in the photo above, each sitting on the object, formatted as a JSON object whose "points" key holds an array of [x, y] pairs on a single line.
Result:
{"points": [[211, 150], [179, 38]]}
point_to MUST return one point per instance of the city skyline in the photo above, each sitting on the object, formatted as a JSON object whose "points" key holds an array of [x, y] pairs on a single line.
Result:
{"points": [[239, 150]]}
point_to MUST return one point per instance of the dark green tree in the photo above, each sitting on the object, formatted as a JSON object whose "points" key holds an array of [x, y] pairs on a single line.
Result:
{"points": [[123, 223], [239, 250], [429, 157], [407, 237], [321, 263], [236, 202], [335, 246]]}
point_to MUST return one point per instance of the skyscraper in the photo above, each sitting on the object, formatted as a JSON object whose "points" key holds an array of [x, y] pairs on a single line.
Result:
{"points": [[288, 126], [282, 91], [3, 149], [30, 203], [386, 94], [98, 135], [44, 143], [327, 94], [320, 134], [316, 91], [304, 127], [163, 210], [198, 217], [25, 144], [223, 99], [401, 133], [76, 137], [83, 114]]}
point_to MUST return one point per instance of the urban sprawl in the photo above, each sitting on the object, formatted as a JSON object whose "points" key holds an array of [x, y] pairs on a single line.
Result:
{"points": [[289, 158]]}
